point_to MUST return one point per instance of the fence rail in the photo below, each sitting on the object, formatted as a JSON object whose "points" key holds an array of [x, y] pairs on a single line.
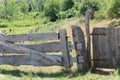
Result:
{"points": [[35, 54]]}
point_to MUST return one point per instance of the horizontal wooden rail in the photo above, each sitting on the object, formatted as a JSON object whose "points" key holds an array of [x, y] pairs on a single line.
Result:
{"points": [[22, 49], [99, 31], [31, 37], [27, 60], [46, 47]]}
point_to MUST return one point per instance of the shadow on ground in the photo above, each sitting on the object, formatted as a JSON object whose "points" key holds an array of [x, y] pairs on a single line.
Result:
{"points": [[63, 73]]}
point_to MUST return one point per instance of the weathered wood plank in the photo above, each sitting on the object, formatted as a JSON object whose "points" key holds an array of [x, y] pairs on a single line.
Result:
{"points": [[117, 49], [46, 47], [95, 50], [26, 60], [22, 49], [109, 48], [31, 37], [64, 48], [102, 50], [99, 31], [78, 38]]}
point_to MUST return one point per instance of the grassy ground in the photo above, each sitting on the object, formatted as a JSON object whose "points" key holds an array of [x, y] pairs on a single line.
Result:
{"points": [[21, 26], [53, 73]]}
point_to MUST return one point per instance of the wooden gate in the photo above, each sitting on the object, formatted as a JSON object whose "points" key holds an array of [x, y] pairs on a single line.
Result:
{"points": [[106, 47], [36, 54]]}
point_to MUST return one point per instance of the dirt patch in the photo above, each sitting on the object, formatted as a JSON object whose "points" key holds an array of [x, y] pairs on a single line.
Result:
{"points": [[103, 23]]}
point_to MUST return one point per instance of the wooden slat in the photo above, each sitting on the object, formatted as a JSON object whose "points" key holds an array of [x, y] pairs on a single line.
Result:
{"points": [[46, 47], [64, 48], [26, 60], [117, 49], [22, 49], [109, 48], [95, 50], [31, 37], [78, 38], [99, 31], [102, 51]]}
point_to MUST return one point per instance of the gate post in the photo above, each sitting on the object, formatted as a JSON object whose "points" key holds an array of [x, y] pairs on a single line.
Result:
{"points": [[79, 44], [64, 48]]}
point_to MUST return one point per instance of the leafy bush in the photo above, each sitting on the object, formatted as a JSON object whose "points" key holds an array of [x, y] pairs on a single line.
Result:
{"points": [[3, 25], [86, 4], [51, 9], [67, 4], [114, 11]]}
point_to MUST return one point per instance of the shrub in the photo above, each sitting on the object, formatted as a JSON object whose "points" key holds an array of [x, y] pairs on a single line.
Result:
{"points": [[114, 11], [3, 25]]}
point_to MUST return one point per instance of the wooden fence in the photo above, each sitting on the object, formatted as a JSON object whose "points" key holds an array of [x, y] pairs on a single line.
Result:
{"points": [[36, 54], [106, 47]]}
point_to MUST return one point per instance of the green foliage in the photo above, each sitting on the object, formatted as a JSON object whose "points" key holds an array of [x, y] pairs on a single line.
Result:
{"points": [[67, 4], [51, 9], [24, 6], [3, 25], [86, 4], [114, 11], [11, 10]]}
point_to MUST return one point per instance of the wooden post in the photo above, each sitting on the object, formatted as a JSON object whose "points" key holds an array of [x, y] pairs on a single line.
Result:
{"points": [[87, 16], [64, 48], [79, 44]]}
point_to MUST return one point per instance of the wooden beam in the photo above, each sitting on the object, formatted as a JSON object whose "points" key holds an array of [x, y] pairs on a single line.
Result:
{"points": [[21, 49], [27, 60], [99, 31], [31, 37], [45, 47], [64, 48], [88, 39], [81, 55]]}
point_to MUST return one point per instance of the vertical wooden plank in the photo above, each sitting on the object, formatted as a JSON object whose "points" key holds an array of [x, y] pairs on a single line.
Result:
{"points": [[64, 48], [78, 38], [102, 52], [100, 47], [95, 50], [109, 48], [113, 47], [87, 24], [117, 50]]}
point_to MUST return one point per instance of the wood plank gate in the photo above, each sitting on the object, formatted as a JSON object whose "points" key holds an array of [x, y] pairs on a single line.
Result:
{"points": [[36, 54], [106, 47]]}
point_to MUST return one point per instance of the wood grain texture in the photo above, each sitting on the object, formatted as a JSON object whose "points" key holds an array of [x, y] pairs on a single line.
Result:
{"points": [[26, 60], [106, 48], [31, 37], [64, 48], [45, 47], [22, 49], [78, 38]]}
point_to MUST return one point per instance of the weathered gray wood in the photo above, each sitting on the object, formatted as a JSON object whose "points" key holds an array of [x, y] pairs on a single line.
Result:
{"points": [[117, 49], [41, 55], [109, 48], [31, 37], [95, 50], [26, 60], [102, 51], [78, 38], [88, 40], [64, 48], [46, 47], [99, 31]]}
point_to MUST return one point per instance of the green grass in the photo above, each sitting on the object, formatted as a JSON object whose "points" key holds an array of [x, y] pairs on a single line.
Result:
{"points": [[52, 73], [21, 26]]}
